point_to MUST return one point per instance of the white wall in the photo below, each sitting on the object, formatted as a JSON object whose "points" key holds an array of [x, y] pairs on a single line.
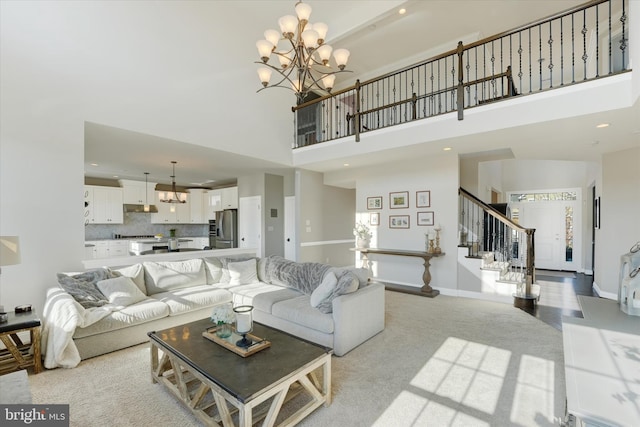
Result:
{"points": [[620, 216], [438, 174], [120, 64]]}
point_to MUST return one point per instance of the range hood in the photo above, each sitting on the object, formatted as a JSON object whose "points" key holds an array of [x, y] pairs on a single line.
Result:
{"points": [[139, 208]]}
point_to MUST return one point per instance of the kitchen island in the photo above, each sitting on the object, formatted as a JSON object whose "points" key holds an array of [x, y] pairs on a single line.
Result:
{"points": [[166, 256]]}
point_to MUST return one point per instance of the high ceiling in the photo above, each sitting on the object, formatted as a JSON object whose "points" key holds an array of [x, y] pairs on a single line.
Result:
{"points": [[379, 38]]}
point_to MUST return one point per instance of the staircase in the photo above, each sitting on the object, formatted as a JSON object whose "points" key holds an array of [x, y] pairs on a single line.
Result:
{"points": [[495, 254]]}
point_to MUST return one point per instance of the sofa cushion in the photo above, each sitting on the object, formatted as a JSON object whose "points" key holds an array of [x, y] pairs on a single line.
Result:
{"points": [[298, 310], [121, 291], [82, 286], [243, 272], [136, 272], [347, 283], [138, 313], [165, 276], [225, 277], [213, 268], [361, 273], [323, 291], [262, 295], [193, 298]]}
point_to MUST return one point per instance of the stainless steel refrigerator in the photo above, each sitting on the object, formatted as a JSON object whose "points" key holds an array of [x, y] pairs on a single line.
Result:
{"points": [[227, 229]]}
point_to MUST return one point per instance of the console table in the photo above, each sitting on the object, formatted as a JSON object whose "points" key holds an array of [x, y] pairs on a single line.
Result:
{"points": [[427, 290], [601, 364]]}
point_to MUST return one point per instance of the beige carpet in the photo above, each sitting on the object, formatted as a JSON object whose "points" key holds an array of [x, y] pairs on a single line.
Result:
{"points": [[440, 362]]}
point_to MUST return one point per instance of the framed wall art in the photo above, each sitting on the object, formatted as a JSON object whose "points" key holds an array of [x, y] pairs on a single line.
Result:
{"points": [[399, 200], [425, 218], [398, 221], [374, 218], [423, 199], [374, 202]]}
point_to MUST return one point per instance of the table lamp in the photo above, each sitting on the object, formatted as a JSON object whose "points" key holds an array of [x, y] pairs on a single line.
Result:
{"points": [[9, 253]]}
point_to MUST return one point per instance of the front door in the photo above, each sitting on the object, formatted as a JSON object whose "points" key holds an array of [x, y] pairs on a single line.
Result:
{"points": [[547, 219]]}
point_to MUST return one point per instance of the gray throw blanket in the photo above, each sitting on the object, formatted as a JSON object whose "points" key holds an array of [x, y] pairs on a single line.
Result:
{"points": [[303, 276], [82, 287]]}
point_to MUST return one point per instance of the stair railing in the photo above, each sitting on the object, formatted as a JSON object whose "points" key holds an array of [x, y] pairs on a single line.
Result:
{"points": [[483, 229]]}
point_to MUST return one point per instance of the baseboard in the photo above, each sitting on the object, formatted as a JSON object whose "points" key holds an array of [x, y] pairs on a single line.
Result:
{"points": [[588, 272], [604, 294]]}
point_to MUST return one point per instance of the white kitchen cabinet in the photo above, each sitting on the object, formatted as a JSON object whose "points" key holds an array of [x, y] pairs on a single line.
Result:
{"points": [[215, 203], [197, 199], [199, 242], [221, 199], [137, 192], [230, 198], [107, 205], [106, 248], [170, 213]]}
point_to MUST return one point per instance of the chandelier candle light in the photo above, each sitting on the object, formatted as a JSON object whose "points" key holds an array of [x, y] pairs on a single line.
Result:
{"points": [[173, 197], [304, 62]]}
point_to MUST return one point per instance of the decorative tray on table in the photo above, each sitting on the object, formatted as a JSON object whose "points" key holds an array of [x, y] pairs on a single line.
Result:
{"points": [[229, 343]]}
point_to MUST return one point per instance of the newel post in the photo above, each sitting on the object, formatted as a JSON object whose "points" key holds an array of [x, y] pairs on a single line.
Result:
{"points": [[531, 254]]}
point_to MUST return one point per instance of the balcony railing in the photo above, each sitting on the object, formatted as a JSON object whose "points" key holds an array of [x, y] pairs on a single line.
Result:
{"points": [[578, 45]]}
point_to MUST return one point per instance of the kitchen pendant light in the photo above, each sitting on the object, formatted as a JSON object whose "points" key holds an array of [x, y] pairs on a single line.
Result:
{"points": [[173, 197], [146, 192]]}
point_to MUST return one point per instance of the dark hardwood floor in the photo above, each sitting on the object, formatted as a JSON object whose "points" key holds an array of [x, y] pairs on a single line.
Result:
{"points": [[558, 295]]}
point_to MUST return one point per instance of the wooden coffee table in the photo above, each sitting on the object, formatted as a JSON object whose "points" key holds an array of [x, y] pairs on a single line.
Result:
{"points": [[222, 388]]}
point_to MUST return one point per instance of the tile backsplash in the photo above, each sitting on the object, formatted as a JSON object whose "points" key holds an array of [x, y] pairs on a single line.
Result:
{"points": [[138, 224]]}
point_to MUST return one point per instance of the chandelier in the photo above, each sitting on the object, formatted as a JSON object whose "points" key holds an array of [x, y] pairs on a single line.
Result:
{"points": [[173, 196], [304, 62]]}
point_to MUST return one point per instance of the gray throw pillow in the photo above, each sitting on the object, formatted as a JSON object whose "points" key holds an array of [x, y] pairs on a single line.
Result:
{"points": [[347, 283]]}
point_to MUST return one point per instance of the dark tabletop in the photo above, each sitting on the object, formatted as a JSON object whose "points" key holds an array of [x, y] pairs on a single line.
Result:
{"points": [[24, 320], [241, 377]]}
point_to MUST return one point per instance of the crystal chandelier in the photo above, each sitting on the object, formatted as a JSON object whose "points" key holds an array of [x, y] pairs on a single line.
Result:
{"points": [[304, 62], [173, 196]]}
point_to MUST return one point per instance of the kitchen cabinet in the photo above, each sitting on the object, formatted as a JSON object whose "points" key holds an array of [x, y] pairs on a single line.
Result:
{"points": [[88, 205], [197, 199], [221, 199], [230, 198], [137, 192], [106, 248], [170, 213], [106, 207], [198, 242]]}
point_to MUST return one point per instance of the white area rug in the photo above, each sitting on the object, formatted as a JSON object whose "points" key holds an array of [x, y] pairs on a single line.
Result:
{"points": [[440, 362]]}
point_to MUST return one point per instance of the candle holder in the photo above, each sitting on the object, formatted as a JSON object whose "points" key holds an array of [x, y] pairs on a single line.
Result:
{"points": [[244, 324], [432, 247], [437, 249]]}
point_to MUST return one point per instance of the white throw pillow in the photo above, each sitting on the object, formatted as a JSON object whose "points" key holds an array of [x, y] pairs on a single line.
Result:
{"points": [[121, 291], [169, 275], [243, 272], [136, 272], [322, 292]]}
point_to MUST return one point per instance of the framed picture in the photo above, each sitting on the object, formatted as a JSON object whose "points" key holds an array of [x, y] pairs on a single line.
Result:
{"points": [[425, 218], [399, 200], [374, 218], [374, 202], [398, 221], [423, 199]]}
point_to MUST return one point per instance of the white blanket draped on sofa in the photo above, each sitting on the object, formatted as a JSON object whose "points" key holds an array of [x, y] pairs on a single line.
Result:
{"points": [[62, 315]]}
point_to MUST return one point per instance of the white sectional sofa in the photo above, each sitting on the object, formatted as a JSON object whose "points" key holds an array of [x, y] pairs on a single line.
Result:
{"points": [[134, 300]]}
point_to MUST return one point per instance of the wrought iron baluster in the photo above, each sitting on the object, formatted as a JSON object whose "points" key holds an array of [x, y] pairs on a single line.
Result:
{"points": [[584, 43], [550, 66], [623, 40], [573, 50]]}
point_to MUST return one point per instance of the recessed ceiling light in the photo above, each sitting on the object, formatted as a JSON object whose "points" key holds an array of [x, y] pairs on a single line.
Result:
{"points": [[402, 11], [94, 164], [446, 149], [602, 125], [346, 164], [115, 176]]}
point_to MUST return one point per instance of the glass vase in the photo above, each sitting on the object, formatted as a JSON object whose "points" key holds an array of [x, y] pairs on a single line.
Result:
{"points": [[223, 330]]}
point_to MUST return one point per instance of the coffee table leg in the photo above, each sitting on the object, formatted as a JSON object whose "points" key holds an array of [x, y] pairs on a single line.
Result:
{"points": [[246, 416], [153, 351], [326, 386]]}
